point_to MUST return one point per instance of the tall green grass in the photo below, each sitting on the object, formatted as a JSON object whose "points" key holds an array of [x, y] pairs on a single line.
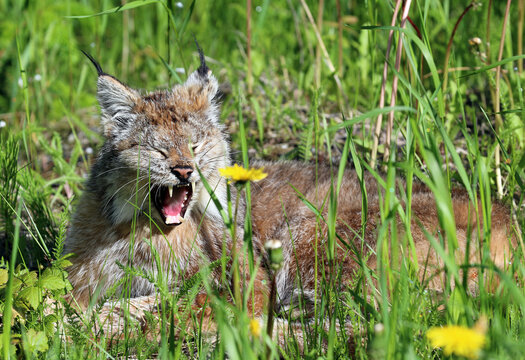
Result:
{"points": [[448, 126]]}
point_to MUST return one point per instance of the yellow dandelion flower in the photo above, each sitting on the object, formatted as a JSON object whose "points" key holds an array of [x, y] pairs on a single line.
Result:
{"points": [[255, 328], [458, 340], [240, 174]]}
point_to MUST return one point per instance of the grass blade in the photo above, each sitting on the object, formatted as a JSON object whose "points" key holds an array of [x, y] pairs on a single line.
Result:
{"points": [[127, 6]]}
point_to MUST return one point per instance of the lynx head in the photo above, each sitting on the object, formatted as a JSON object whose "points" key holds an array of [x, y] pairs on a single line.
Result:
{"points": [[154, 144]]}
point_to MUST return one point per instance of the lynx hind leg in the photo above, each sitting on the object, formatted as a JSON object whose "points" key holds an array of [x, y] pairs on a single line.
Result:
{"points": [[468, 226], [503, 243], [502, 239]]}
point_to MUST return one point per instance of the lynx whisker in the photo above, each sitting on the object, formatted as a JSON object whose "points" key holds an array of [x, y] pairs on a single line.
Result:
{"points": [[107, 202], [134, 194], [210, 147], [111, 170]]}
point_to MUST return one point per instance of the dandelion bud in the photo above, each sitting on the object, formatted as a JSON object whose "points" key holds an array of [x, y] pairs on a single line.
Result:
{"points": [[379, 328], [475, 41], [275, 253]]}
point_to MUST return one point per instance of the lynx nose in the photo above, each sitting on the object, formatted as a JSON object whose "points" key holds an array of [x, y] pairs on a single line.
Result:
{"points": [[182, 173]]}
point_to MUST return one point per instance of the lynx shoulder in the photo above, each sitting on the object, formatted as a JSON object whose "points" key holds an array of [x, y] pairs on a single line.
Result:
{"points": [[145, 205]]}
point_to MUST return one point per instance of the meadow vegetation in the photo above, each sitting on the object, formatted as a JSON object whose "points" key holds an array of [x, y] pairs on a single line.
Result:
{"points": [[300, 80]]}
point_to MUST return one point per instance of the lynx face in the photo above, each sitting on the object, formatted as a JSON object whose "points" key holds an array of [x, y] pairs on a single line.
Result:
{"points": [[154, 145]]}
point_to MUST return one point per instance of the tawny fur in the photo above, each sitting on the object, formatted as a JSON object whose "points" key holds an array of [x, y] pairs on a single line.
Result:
{"points": [[148, 135]]}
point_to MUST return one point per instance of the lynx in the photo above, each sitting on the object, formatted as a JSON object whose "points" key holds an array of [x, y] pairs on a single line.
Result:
{"points": [[145, 199]]}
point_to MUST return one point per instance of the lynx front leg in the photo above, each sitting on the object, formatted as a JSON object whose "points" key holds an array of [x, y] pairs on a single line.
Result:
{"points": [[142, 317]]}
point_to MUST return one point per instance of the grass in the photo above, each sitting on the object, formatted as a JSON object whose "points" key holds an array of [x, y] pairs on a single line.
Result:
{"points": [[289, 93]]}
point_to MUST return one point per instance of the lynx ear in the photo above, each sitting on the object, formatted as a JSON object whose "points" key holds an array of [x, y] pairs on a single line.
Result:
{"points": [[116, 99], [203, 77]]}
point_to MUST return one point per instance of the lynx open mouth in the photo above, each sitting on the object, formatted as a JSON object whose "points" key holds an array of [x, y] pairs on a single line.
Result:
{"points": [[172, 202]]}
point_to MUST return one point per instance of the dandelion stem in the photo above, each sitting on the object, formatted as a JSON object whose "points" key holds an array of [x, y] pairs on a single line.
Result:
{"points": [[271, 310], [235, 262]]}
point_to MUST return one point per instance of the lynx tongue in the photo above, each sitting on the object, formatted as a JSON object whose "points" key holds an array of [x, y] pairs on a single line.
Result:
{"points": [[173, 203]]}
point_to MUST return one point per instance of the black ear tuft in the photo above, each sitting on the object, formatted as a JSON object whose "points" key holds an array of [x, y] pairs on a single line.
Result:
{"points": [[203, 69], [97, 65]]}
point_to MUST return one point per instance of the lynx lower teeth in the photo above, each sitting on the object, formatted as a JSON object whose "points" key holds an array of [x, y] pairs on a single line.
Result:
{"points": [[173, 219], [177, 219]]}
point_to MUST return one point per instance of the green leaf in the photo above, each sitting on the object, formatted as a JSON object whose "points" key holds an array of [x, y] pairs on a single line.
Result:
{"points": [[308, 204], [63, 263], [49, 323], [171, 70], [52, 282], [35, 341], [31, 295], [17, 284], [426, 54], [493, 65], [131, 5], [456, 305], [4, 275], [369, 115], [29, 278], [258, 118]]}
